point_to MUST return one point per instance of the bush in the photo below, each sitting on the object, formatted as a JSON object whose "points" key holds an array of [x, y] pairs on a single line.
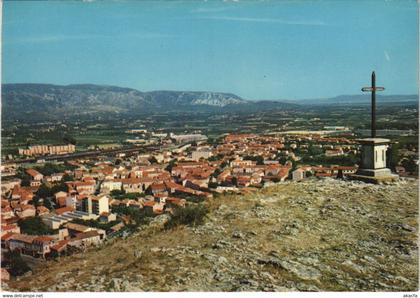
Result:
{"points": [[17, 265], [190, 215]]}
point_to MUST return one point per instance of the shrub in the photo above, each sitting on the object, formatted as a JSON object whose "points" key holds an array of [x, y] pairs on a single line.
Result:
{"points": [[190, 215]]}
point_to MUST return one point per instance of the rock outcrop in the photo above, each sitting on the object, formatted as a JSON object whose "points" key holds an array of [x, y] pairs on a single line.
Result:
{"points": [[316, 235]]}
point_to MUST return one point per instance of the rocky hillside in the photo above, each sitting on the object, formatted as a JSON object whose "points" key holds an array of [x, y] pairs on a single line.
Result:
{"points": [[315, 235], [23, 100]]}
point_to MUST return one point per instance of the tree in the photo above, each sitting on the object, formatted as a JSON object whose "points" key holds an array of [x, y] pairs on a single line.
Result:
{"points": [[213, 184], [69, 140], [47, 203], [153, 160], [44, 192], [393, 156], [17, 265], [117, 193], [67, 178], [34, 226], [170, 165], [26, 179], [235, 181]]}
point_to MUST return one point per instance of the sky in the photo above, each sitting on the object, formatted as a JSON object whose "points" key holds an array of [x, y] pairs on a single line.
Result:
{"points": [[254, 49]]}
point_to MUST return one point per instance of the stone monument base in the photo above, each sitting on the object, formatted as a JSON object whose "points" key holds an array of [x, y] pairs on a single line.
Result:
{"points": [[376, 176]]}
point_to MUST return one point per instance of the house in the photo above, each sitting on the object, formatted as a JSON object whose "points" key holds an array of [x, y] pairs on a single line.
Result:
{"points": [[86, 187], [75, 229], [7, 212], [41, 210], [6, 238], [139, 185], [71, 201], [109, 185], [60, 198], [63, 210], [23, 194], [175, 202], [21, 243], [5, 276], [41, 245], [59, 248], [7, 185], [25, 211], [106, 217], [9, 228], [298, 175], [36, 177], [157, 188], [334, 152], [199, 154], [55, 177], [85, 239]]}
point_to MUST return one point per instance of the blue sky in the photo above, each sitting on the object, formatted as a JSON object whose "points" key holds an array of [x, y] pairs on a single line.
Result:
{"points": [[255, 49]]}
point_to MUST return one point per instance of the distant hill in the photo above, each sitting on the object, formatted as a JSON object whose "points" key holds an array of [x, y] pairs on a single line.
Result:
{"points": [[44, 100]]}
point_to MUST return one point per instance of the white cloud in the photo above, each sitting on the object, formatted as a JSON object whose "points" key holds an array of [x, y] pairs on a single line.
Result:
{"points": [[61, 38], [265, 20], [209, 9], [387, 56]]}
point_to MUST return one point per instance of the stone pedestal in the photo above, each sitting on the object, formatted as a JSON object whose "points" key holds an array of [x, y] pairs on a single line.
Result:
{"points": [[373, 166]]}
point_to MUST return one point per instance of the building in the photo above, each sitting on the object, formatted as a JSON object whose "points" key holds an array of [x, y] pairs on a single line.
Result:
{"points": [[36, 177], [93, 204], [298, 175], [109, 185], [199, 154], [86, 239], [188, 138], [47, 150], [100, 205]]}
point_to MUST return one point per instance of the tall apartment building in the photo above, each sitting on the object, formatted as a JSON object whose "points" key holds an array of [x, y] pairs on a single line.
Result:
{"points": [[93, 204]]}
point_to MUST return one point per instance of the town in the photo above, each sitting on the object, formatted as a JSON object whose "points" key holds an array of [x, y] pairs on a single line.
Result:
{"points": [[63, 207]]}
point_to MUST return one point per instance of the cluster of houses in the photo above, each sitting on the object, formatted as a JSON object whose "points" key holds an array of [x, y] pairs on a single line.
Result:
{"points": [[157, 182]]}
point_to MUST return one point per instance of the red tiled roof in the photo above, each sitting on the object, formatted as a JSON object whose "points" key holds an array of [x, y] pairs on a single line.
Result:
{"points": [[33, 172], [63, 210], [60, 245], [43, 239], [7, 236]]}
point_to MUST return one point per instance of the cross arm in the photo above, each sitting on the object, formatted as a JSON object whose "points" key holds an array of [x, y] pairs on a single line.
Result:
{"points": [[370, 89]]}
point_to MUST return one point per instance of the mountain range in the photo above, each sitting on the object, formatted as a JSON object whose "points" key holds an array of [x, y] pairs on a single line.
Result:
{"points": [[19, 99], [46, 100]]}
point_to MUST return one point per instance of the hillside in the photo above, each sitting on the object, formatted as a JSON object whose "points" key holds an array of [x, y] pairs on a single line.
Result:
{"points": [[43, 100], [315, 235]]}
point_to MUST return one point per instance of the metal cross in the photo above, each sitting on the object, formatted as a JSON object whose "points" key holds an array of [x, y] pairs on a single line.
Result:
{"points": [[373, 89]]}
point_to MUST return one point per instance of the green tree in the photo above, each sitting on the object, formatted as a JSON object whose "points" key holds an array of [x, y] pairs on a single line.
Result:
{"points": [[17, 265], [69, 140], [34, 226], [67, 178], [170, 165], [44, 192]]}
